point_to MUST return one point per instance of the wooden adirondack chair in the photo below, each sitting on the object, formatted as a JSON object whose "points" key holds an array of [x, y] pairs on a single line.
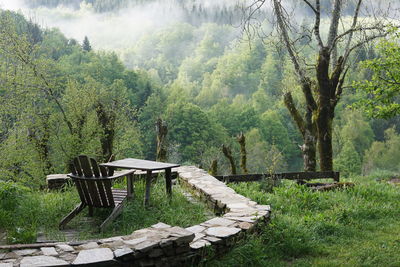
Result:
{"points": [[94, 185]]}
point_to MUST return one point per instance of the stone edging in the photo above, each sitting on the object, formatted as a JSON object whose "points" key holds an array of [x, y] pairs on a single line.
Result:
{"points": [[160, 244]]}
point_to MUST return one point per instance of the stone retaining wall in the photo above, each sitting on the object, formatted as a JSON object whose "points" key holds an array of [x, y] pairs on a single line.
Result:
{"points": [[160, 244]]}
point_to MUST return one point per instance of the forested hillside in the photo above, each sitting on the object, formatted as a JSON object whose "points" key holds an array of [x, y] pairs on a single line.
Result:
{"points": [[201, 75]]}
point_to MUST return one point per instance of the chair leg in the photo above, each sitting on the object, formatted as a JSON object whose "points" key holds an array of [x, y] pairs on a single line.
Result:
{"points": [[114, 214], [90, 211], [71, 215]]}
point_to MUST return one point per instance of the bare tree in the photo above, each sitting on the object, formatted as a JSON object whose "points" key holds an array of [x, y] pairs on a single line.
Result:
{"points": [[321, 77]]}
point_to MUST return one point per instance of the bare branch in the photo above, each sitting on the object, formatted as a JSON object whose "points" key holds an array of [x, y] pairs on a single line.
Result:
{"points": [[333, 28], [317, 24], [286, 39], [289, 103], [366, 40], [311, 6], [353, 26]]}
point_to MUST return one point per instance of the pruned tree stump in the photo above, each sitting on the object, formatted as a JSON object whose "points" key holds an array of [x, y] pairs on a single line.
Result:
{"points": [[328, 186], [57, 181]]}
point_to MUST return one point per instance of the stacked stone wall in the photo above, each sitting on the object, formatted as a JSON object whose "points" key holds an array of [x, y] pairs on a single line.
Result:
{"points": [[160, 244]]}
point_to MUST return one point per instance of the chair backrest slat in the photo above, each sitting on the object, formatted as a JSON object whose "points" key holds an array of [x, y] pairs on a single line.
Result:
{"points": [[80, 191], [78, 167], [95, 167], [72, 168], [103, 171], [94, 194], [102, 192], [85, 164], [107, 185], [86, 192]]}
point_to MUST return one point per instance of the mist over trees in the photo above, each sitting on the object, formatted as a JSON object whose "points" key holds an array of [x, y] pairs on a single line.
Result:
{"points": [[201, 77]]}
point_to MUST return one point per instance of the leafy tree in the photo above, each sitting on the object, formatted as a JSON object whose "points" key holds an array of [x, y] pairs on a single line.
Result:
{"points": [[383, 155], [348, 161], [86, 45], [323, 87], [383, 89], [192, 130]]}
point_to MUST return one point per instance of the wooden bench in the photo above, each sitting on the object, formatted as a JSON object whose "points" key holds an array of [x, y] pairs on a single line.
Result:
{"points": [[94, 186], [300, 177]]}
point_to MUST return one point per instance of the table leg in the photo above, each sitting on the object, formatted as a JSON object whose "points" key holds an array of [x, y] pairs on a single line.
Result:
{"points": [[129, 185], [168, 182], [147, 193]]}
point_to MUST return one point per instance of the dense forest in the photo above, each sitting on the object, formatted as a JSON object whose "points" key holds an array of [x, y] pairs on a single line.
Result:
{"points": [[62, 97]]}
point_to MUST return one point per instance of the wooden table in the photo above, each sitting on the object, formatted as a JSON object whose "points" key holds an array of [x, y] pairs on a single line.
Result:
{"points": [[148, 166]]}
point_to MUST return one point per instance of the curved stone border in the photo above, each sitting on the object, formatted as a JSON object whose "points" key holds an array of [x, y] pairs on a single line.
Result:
{"points": [[160, 244]]}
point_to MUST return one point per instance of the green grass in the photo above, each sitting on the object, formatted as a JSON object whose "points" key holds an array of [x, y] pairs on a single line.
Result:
{"points": [[31, 212], [357, 226]]}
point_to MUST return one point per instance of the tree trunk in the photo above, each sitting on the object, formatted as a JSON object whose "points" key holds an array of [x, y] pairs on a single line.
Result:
{"points": [[106, 122], [308, 131], [228, 153], [325, 112], [243, 154], [213, 168], [309, 152], [162, 131]]}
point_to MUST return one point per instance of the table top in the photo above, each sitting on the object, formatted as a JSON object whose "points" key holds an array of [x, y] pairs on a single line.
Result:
{"points": [[139, 164]]}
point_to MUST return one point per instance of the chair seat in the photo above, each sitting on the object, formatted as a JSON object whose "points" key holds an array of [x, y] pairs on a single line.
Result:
{"points": [[119, 195]]}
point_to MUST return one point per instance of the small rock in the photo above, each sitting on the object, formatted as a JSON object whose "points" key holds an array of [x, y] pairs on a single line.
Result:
{"points": [[200, 244], [42, 261], [111, 239], [49, 251], [146, 246], [263, 207], [237, 206], [161, 225], [95, 255], [11, 255], [218, 222], [25, 252], [134, 242], [65, 247], [89, 245], [243, 219], [245, 225], [197, 236], [213, 239], [68, 257], [196, 229], [222, 231], [123, 252]]}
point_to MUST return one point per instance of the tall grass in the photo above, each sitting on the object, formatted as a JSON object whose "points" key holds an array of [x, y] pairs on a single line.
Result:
{"points": [[357, 226], [25, 212]]}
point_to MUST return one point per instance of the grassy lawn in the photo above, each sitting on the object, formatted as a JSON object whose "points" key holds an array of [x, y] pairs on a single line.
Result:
{"points": [[27, 212], [357, 226]]}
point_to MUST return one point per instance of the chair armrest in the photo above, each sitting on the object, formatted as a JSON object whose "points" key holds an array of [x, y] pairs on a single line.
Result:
{"points": [[117, 175]]}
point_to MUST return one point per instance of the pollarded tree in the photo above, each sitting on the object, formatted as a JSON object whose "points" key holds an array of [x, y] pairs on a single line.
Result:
{"points": [[322, 77]]}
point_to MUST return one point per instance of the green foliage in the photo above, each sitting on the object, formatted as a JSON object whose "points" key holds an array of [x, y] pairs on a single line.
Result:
{"points": [[384, 155], [191, 130], [348, 161], [382, 90], [356, 226]]}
